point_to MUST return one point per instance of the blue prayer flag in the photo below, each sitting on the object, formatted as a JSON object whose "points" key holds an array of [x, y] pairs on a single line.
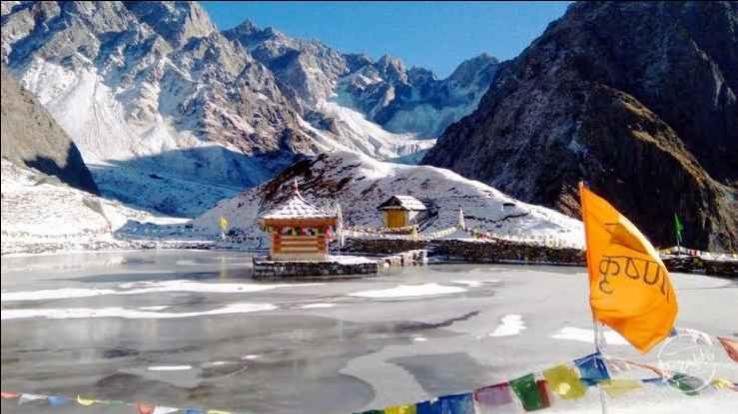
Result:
{"points": [[57, 400], [592, 369], [457, 404]]}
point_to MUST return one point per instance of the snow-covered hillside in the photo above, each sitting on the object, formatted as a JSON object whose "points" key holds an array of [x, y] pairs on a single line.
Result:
{"points": [[40, 214], [359, 184]]}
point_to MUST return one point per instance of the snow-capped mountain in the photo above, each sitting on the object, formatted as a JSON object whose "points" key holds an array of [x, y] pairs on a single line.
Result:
{"points": [[171, 114], [359, 184], [151, 88], [399, 99]]}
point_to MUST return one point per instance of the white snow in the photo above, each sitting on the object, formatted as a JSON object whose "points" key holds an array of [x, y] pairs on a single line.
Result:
{"points": [[571, 333], [318, 306], [357, 133], [403, 291], [136, 288], [169, 368], [117, 312], [369, 182], [510, 325]]}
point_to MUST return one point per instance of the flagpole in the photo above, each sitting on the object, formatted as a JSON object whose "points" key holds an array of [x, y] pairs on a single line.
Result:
{"points": [[596, 326]]}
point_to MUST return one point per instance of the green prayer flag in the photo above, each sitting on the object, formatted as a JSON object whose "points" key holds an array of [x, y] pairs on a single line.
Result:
{"points": [[678, 229], [530, 393], [686, 383]]}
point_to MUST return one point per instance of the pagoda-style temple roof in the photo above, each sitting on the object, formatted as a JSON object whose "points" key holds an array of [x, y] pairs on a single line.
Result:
{"points": [[296, 208]]}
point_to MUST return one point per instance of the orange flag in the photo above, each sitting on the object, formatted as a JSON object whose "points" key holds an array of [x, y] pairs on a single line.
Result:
{"points": [[629, 286]]}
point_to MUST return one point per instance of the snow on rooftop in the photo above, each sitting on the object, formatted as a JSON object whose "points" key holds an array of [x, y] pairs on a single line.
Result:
{"points": [[296, 207], [404, 202]]}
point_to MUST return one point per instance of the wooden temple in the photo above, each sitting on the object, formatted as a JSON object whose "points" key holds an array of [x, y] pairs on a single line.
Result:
{"points": [[299, 231], [401, 211]]}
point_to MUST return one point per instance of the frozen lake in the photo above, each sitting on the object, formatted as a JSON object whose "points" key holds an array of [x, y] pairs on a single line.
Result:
{"points": [[193, 329]]}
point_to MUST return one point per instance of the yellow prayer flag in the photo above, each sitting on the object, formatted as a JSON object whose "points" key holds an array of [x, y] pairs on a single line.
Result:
{"points": [[629, 286], [223, 222], [84, 401], [618, 387], [564, 381], [400, 409]]}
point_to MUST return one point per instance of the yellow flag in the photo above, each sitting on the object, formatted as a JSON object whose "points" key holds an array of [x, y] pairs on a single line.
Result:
{"points": [[629, 286], [618, 387], [400, 409], [564, 382], [85, 401], [223, 222]]}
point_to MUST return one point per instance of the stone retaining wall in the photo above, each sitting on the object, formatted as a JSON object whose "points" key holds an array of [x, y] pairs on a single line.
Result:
{"points": [[499, 251], [380, 247], [502, 251], [266, 269]]}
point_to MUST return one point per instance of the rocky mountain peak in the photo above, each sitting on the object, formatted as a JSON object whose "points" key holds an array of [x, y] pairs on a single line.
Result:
{"points": [[175, 21], [636, 98], [466, 72], [391, 67]]}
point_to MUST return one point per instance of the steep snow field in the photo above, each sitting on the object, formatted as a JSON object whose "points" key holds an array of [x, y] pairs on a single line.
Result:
{"points": [[40, 210], [359, 184]]}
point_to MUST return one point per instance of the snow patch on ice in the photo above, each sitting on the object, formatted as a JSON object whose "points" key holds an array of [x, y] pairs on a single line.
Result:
{"points": [[587, 335], [116, 312], [170, 368], [509, 325], [402, 291], [135, 288], [318, 306]]}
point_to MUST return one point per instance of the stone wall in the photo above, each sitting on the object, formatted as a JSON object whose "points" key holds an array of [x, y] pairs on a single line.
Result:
{"points": [[503, 251], [383, 246], [497, 251], [266, 269]]}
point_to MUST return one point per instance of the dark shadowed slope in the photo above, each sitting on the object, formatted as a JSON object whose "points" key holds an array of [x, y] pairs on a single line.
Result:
{"points": [[31, 137], [638, 99]]}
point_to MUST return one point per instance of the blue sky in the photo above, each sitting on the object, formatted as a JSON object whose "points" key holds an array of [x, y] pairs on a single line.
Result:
{"points": [[435, 35]]}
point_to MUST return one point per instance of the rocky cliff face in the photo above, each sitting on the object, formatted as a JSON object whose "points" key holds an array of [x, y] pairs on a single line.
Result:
{"points": [[637, 99], [400, 99], [30, 137], [152, 88]]}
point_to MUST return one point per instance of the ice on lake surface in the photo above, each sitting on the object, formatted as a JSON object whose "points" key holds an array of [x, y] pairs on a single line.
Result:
{"points": [[192, 329]]}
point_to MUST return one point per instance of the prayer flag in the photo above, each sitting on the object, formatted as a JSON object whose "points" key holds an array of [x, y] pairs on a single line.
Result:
{"points": [[731, 347], [592, 369], [84, 401], [618, 387], [26, 398], [7, 395], [400, 409], [531, 394], [493, 396], [564, 382], [145, 408], [678, 229], [58, 400], [457, 404], [630, 290], [428, 407], [686, 383]]}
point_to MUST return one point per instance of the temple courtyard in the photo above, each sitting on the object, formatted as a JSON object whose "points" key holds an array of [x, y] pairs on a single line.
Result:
{"points": [[193, 329]]}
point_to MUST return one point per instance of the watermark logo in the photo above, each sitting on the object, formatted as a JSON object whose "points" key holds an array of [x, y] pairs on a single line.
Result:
{"points": [[687, 359]]}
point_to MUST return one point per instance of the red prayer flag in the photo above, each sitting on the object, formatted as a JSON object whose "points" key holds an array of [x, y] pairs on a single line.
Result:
{"points": [[6, 395], [145, 408], [731, 347]]}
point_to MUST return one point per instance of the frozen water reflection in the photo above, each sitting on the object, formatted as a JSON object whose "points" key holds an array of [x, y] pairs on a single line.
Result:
{"points": [[301, 348]]}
